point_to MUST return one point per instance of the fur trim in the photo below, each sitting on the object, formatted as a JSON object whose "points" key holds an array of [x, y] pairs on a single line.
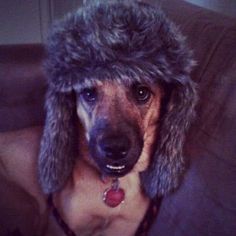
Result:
{"points": [[126, 41], [58, 144], [115, 40], [168, 164]]}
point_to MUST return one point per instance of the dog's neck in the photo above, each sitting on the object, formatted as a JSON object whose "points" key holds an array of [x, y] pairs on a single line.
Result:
{"points": [[81, 203]]}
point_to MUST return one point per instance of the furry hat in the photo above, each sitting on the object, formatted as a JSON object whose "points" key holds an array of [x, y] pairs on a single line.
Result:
{"points": [[116, 40]]}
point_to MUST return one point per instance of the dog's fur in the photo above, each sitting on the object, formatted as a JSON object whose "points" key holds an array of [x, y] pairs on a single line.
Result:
{"points": [[98, 57]]}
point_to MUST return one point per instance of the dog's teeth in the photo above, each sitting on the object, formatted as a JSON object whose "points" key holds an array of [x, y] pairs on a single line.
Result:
{"points": [[115, 167]]}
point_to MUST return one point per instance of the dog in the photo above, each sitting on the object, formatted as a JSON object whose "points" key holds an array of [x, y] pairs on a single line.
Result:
{"points": [[119, 102]]}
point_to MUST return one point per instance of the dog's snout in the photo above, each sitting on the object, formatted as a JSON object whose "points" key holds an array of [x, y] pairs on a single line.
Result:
{"points": [[116, 147]]}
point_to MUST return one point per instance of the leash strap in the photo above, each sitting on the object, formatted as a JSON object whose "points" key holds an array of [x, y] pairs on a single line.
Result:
{"points": [[64, 226], [143, 228], [149, 218]]}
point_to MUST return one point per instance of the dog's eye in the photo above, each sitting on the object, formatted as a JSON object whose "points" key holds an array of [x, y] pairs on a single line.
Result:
{"points": [[141, 93], [89, 95]]}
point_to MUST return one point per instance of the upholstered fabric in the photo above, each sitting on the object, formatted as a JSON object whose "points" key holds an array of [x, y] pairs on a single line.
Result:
{"points": [[205, 204], [22, 86]]}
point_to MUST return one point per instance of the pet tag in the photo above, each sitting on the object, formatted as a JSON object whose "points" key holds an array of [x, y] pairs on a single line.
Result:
{"points": [[114, 195]]}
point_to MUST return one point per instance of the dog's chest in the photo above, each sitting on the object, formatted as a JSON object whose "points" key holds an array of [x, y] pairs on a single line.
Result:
{"points": [[83, 209]]}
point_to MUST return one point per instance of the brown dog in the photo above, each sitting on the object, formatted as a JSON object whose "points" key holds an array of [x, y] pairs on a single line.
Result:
{"points": [[118, 77], [81, 201], [119, 102]]}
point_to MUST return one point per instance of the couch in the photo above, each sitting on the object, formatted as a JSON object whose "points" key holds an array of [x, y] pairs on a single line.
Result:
{"points": [[205, 203]]}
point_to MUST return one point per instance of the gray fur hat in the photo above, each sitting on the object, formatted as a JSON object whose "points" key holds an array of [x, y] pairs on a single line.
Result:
{"points": [[116, 40]]}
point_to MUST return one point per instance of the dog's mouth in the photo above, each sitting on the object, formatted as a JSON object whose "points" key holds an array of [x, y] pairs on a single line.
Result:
{"points": [[115, 170], [116, 166], [115, 152]]}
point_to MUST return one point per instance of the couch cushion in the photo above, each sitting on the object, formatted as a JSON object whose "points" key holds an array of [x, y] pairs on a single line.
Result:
{"points": [[22, 86], [205, 203]]}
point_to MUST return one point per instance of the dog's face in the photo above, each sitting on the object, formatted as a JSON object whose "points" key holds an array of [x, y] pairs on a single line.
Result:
{"points": [[110, 42], [120, 123]]}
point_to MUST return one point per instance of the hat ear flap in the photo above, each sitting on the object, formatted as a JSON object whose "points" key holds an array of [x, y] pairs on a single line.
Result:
{"points": [[58, 149], [168, 164]]}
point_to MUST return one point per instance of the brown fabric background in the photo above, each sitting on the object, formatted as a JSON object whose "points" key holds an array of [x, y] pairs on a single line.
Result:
{"points": [[205, 204], [22, 86]]}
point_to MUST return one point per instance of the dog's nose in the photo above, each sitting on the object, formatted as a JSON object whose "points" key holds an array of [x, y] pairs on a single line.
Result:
{"points": [[116, 147]]}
